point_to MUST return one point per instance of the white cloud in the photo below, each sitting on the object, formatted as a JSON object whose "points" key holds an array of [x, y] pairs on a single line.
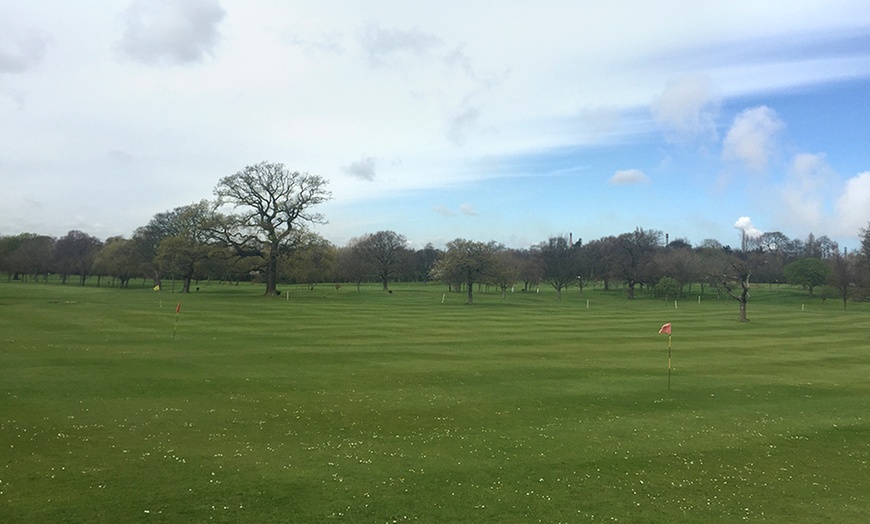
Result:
{"points": [[853, 206], [317, 84], [808, 185], [462, 124], [687, 108], [751, 137], [364, 169], [629, 177], [468, 209], [597, 123], [171, 31], [19, 55], [388, 46], [443, 211]]}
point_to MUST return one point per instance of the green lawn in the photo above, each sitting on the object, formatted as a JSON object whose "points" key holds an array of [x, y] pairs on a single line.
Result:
{"points": [[335, 406]]}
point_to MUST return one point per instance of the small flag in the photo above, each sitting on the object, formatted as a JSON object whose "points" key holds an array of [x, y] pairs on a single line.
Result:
{"points": [[157, 287], [666, 329], [178, 309]]}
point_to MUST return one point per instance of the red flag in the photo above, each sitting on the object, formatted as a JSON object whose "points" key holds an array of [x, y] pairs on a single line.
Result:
{"points": [[666, 329], [178, 309]]}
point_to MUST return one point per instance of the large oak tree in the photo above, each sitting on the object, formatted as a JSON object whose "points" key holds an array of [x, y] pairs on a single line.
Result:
{"points": [[273, 209]]}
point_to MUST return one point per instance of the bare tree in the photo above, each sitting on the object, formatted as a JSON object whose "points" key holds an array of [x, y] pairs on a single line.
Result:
{"points": [[633, 257], [350, 264], [274, 207], [505, 269], [843, 275], [383, 250], [560, 263], [531, 270], [680, 263], [736, 274]]}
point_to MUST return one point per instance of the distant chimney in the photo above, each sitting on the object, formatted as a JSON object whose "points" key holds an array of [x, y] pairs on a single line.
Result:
{"points": [[570, 239]]}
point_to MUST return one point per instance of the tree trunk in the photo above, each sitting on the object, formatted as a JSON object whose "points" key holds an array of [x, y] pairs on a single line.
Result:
{"points": [[272, 273], [469, 286], [744, 298], [743, 310]]}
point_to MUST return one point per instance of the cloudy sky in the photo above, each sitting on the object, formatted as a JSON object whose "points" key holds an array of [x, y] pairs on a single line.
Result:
{"points": [[510, 121]]}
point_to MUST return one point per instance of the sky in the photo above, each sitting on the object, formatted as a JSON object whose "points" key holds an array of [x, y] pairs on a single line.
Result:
{"points": [[511, 121]]}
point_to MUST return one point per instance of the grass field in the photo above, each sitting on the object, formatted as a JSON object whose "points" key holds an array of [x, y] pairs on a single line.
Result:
{"points": [[335, 406]]}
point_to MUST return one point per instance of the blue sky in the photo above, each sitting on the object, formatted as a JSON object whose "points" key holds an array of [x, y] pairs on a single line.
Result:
{"points": [[510, 122]]}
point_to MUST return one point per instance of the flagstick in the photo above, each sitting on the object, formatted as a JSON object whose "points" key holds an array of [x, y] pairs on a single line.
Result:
{"points": [[669, 362], [177, 314]]}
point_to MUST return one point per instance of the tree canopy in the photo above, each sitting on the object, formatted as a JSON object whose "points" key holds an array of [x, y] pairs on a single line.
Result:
{"points": [[807, 272], [273, 209]]}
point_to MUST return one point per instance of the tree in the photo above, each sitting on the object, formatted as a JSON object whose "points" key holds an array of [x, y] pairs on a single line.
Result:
{"points": [[680, 263], [713, 263], [668, 286], [739, 269], [311, 263], [466, 262], [531, 270], [821, 247], [350, 264], [599, 256], [865, 244], [505, 269], [186, 248], [862, 263], [424, 259], [117, 258], [383, 250], [274, 211], [710, 243], [559, 260], [633, 256], [843, 275], [29, 254], [74, 253], [807, 272], [8, 246]]}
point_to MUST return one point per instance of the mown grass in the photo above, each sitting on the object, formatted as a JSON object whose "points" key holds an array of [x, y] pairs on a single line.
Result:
{"points": [[373, 407]]}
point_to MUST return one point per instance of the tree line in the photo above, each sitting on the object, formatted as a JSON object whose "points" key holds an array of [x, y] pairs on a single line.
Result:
{"points": [[259, 228]]}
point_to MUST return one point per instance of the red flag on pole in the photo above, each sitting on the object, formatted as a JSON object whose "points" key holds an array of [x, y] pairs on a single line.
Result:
{"points": [[666, 329], [178, 309]]}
